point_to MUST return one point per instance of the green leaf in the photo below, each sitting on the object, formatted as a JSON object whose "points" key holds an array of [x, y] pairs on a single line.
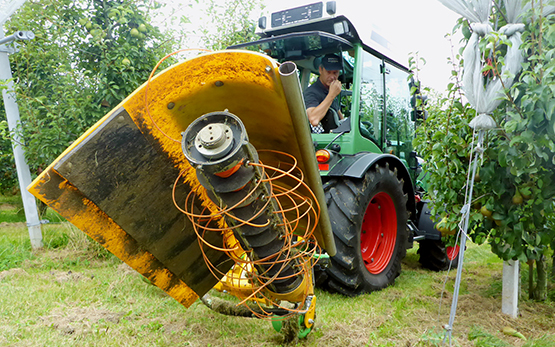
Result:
{"points": [[502, 158], [511, 126], [550, 109]]}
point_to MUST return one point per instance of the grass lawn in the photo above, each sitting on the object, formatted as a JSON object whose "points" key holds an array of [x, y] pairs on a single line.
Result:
{"points": [[73, 293]]}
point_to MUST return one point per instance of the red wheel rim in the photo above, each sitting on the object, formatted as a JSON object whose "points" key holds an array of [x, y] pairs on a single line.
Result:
{"points": [[378, 233], [452, 252]]}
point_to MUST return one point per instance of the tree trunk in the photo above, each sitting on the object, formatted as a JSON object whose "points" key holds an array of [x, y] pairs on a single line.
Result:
{"points": [[540, 291], [553, 266], [530, 279]]}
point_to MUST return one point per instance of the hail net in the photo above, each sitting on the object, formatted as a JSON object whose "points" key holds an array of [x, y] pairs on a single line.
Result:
{"points": [[7, 8]]}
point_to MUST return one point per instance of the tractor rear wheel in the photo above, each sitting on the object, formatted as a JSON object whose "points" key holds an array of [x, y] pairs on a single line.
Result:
{"points": [[369, 222], [436, 257]]}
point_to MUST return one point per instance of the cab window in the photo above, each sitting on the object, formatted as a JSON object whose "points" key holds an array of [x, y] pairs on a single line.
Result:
{"points": [[400, 127], [371, 99]]}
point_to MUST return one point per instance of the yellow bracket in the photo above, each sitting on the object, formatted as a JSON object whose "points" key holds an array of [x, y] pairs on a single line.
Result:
{"points": [[311, 313], [299, 294], [237, 283]]}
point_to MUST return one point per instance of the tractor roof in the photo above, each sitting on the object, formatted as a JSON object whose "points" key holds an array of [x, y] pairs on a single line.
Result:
{"points": [[305, 32]]}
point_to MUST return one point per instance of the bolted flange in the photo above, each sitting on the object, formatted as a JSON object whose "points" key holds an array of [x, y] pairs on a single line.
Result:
{"points": [[214, 141]]}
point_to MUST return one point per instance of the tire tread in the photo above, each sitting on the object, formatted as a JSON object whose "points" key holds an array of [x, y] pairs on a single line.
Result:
{"points": [[347, 273]]}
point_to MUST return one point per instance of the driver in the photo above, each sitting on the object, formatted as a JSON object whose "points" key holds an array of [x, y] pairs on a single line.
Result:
{"points": [[322, 95]]}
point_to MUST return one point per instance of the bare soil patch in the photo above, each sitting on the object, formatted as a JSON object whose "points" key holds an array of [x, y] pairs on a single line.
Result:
{"points": [[6, 207], [67, 276], [12, 272], [126, 270], [80, 320], [13, 225]]}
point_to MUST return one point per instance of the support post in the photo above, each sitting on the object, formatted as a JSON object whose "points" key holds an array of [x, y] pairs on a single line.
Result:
{"points": [[23, 173], [511, 288]]}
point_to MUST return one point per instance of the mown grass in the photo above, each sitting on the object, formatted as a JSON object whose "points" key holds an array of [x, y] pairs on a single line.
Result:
{"points": [[12, 211], [14, 200], [72, 293]]}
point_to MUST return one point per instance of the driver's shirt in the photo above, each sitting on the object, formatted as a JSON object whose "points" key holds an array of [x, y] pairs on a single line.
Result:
{"points": [[313, 96]]}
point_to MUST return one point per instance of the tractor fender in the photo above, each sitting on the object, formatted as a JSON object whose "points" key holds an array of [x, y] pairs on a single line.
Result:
{"points": [[357, 165]]}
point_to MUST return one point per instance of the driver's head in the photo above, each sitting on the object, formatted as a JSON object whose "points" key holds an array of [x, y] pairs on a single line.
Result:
{"points": [[329, 69]]}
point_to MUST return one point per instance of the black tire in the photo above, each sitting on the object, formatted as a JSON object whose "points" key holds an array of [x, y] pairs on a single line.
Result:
{"points": [[436, 257], [352, 271]]}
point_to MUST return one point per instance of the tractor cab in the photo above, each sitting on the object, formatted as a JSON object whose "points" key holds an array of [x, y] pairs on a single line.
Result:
{"points": [[375, 97], [366, 163]]}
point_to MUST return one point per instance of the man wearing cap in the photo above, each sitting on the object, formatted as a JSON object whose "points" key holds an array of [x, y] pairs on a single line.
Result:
{"points": [[321, 95]]}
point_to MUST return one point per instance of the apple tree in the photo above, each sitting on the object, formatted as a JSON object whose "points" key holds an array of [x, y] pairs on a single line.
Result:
{"points": [[87, 56], [229, 23]]}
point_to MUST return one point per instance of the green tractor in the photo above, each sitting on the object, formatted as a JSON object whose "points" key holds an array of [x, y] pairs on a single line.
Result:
{"points": [[370, 173]]}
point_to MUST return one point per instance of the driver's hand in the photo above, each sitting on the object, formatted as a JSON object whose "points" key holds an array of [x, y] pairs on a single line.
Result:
{"points": [[335, 88]]}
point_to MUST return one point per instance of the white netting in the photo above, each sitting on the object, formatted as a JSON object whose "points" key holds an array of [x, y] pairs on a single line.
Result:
{"points": [[477, 11], [484, 94], [8, 7]]}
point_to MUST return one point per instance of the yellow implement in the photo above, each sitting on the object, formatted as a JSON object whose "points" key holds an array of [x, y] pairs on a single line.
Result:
{"points": [[116, 181]]}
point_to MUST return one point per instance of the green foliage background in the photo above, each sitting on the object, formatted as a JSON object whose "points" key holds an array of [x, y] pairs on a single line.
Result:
{"points": [[8, 174], [231, 21], [87, 56]]}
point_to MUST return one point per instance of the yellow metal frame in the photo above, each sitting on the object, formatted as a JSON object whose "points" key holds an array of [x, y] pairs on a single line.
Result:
{"points": [[245, 83]]}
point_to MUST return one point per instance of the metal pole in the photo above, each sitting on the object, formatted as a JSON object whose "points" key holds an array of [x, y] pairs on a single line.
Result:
{"points": [[23, 173], [465, 218]]}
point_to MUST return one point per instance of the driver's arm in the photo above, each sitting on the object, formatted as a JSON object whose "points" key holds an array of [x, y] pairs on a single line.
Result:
{"points": [[316, 114]]}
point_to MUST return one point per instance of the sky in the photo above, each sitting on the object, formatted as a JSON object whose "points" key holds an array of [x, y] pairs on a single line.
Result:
{"points": [[409, 25]]}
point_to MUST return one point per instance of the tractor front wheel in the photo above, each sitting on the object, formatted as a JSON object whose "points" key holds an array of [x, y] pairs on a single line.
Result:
{"points": [[369, 222]]}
